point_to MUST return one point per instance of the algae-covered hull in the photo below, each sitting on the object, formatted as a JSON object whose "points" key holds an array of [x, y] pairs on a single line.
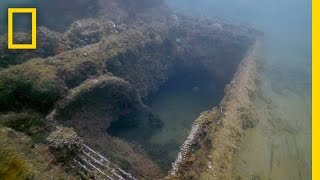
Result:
{"points": [[99, 74]]}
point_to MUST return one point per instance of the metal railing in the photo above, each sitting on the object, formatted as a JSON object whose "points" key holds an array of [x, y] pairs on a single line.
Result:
{"points": [[90, 160]]}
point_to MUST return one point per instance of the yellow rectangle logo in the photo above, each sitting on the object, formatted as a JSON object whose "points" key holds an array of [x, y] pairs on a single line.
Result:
{"points": [[33, 44]]}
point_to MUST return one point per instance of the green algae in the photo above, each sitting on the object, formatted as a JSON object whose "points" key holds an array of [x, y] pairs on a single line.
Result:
{"points": [[20, 159], [13, 166], [30, 123], [31, 81]]}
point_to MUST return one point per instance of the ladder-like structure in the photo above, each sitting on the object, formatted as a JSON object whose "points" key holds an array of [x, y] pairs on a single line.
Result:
{"points": [[91, 161]]}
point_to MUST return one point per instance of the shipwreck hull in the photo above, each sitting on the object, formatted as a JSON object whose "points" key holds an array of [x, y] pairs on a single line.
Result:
{"points": [[100, 74], [219, 131]]}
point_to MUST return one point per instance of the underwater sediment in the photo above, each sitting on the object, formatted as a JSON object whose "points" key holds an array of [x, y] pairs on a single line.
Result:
{"points": [[100, 74]]}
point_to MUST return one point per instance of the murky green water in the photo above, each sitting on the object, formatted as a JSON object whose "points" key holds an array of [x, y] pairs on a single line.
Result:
{"points": [[180, 102], [177, 104]]}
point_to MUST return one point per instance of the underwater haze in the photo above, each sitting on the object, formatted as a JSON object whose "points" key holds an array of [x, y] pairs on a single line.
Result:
{"points": [[280, 146]]}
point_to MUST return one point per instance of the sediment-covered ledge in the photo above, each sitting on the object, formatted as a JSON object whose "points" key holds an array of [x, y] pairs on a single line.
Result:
{"points": [[209, 150]]}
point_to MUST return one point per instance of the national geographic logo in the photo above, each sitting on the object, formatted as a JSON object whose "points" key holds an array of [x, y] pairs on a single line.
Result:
{"points": [[33, 12]]}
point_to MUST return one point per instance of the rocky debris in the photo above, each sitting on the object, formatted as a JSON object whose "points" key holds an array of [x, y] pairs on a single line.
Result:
{"points": [[50, 43], [30, 123], [18, 121], [98, 103], [249, 118], [114, 94], [86, 31], [64, 143], [47, 45], [21, 159]]}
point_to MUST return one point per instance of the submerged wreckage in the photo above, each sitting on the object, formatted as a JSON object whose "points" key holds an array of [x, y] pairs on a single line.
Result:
{"points": [[104, 68]]}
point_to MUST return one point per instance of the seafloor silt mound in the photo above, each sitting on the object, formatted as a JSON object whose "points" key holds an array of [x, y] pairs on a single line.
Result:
{"points": [[98, 74]]}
